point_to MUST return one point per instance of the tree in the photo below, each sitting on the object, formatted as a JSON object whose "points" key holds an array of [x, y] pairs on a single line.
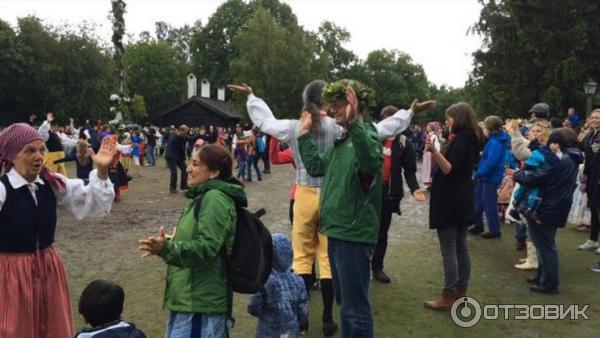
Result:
{"points": [[393, 76], [275, 61], [156, 73], [535, 50], [339, 60], [211, 47], [118, 11], [137, 109], [12, 68], [179, 38]]}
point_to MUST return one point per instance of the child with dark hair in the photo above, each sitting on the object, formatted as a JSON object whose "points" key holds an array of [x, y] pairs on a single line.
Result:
{"points": [[101, 305]]}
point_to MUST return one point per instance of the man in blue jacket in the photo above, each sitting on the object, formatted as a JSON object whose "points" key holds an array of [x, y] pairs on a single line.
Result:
{"points": [[489, 176]]}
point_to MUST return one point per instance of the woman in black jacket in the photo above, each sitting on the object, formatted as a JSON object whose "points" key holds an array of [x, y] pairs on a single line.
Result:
{"points": [[591, 170], [557, 185], [452, 200]]}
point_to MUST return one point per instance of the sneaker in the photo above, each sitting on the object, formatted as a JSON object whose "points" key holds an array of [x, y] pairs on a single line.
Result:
{"points": [[596, 267], [514, 214], [598, 251], [329, 328], [589, 245], [381, 276]]}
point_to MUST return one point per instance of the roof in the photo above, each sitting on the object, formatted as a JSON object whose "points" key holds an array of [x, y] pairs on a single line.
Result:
{"points": [[222, 108]]}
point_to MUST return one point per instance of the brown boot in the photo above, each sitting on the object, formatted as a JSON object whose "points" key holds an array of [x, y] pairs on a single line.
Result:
{"points": [[443, 302]]}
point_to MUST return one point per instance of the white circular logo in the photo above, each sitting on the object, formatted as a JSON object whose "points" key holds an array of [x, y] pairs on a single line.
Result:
{"points": [[466, 312]]}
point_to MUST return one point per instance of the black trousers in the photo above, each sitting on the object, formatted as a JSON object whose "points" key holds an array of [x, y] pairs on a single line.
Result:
{"points": [[384, 226], [173, 165]]}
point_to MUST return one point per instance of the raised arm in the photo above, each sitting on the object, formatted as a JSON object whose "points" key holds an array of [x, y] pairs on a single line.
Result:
{"points": [[395, 124], [262, 116], [44, 129]]}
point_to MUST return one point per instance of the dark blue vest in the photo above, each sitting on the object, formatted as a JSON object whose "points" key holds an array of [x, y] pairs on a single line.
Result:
{"points": [[23, 225], [54, 143]]}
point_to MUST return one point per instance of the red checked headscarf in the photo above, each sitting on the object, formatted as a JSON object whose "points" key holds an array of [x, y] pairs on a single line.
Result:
{"points": [[12, 139]]}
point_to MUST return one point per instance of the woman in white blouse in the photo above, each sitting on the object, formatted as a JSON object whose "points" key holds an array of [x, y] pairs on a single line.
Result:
{"points": [[34, 299]]}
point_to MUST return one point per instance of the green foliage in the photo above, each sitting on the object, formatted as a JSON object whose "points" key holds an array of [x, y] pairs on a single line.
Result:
{"points": [[211, 46], [276, 61], [337, 91], [535, 50], [156, 73], [137, 109], [339, 59], [42, 69]]}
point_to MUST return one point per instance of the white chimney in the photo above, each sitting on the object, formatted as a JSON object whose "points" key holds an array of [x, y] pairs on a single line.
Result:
{"points": [[205, 89], [192, 89], [221, 94]]}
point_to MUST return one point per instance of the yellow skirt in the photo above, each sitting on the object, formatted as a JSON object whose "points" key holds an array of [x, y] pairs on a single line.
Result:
{"points": [[49, 159]]}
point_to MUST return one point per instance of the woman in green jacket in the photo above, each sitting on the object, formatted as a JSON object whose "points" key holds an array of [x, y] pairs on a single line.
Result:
{"points": [[196, 289]]}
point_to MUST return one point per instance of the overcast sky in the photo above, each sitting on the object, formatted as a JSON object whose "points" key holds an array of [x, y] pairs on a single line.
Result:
{"points": [[433, 32]]}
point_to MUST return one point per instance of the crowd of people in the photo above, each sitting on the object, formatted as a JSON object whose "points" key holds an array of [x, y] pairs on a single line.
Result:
{"points": [[350, 179]]}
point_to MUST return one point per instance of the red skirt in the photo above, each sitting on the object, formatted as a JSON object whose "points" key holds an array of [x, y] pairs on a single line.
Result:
{"points": [[34, 299]]}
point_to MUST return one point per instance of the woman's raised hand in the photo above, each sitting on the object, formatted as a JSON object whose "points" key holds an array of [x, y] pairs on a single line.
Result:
{"points": [[418, 107], [106, 152], [242, 89]]}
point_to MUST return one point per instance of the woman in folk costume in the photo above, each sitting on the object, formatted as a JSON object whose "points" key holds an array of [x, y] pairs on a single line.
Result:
{"points": [[34, 299]]}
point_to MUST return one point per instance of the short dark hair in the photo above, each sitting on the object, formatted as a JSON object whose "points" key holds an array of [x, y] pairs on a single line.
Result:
{"points": [[556, 122], [101, 302]]}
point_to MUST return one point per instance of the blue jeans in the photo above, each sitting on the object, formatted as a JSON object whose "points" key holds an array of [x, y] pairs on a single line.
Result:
{"points": [[351, 270], [196, 325], [253, 162], [544, 239], [150, 155], [486, 199], [241, 169], [521, 232]]}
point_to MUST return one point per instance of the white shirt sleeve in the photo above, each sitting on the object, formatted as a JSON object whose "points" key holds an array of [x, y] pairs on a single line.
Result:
{"points": [[67, 143], [2, 194], [394, 124], [86, 201], [263, 118], [44, 130]]}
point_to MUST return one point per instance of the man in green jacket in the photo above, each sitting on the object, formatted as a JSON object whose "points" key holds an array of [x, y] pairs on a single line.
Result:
{"points": [[350, 200], [349, 207]]}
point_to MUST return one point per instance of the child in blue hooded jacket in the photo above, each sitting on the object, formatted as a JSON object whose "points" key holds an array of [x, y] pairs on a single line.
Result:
{"points": [[282, 306], [527, 200]]}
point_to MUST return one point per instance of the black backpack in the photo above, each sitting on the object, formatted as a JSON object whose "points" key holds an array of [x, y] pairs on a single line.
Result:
{"points": [[249, 265]]}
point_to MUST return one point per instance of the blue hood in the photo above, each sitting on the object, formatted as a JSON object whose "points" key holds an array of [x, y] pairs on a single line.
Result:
{"points": [[282, 253], [500, 136]]}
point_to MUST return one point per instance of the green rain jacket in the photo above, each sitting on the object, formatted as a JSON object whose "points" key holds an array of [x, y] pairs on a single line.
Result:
{"points": [[350, 198], [195, 281]]}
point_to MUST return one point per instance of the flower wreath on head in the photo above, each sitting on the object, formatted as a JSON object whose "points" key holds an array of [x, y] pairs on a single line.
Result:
{"points": [[337, 91]]}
